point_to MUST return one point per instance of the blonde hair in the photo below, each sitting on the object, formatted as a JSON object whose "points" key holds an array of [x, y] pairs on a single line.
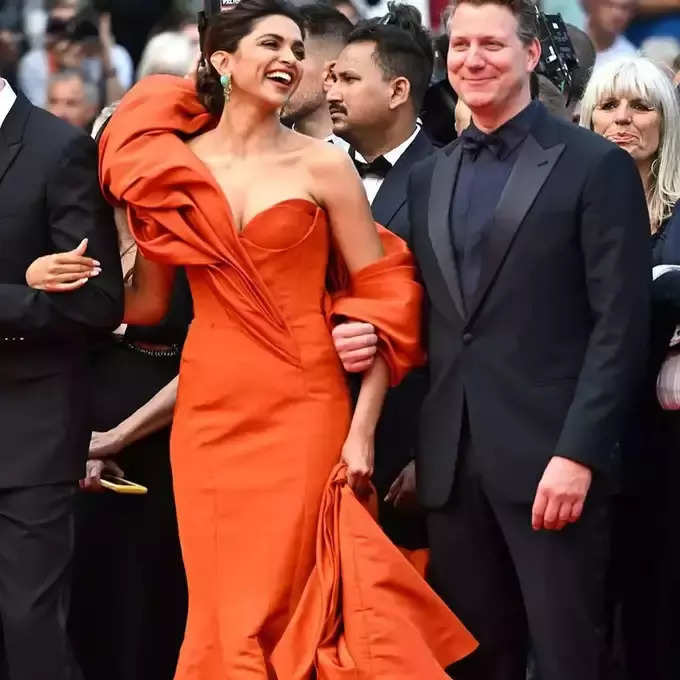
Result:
{"points": [[640, 77]]}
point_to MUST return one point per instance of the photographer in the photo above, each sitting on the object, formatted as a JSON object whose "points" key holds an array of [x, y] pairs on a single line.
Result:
{"points": [[102, 61], [81, 42]]}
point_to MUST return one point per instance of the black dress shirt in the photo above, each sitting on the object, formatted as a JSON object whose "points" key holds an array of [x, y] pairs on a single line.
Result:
{"points": [[486, 164]]}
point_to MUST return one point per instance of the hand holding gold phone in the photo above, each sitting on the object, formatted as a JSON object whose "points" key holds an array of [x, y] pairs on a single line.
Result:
{"points": [[122, 485]]}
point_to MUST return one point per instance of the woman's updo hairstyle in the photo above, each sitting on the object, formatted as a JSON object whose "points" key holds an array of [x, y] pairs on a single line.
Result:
{"points": [[224, 31]]}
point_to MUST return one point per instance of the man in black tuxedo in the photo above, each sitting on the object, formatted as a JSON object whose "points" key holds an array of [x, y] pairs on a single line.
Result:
{"points": [[378, 85], [532, 239], [49, 202]]}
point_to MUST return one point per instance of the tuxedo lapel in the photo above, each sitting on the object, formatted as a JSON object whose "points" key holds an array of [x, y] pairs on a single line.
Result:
{"points": [[8, 153], [392, 193], [533, 166], [442, 187], [11, 133]]}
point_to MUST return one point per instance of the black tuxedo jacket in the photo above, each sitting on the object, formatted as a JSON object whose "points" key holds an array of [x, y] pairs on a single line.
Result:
{"points": [[549, 352], [397, 429], [389, 205], [49, 201]]}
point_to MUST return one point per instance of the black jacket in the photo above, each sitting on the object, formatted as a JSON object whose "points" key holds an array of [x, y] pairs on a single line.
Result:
{"points": [[390, 205], [555, 339], [49, 201]]}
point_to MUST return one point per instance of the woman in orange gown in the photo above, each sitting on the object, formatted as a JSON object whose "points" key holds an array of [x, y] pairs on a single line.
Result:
{"points": [[288, 576]]}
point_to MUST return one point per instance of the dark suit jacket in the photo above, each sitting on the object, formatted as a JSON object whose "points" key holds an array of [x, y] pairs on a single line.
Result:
{"points": [[549, 352], [49, 201], [389, 205], [396, 433]]}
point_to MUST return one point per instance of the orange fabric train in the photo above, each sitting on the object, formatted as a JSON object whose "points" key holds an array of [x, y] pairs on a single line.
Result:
{"points": [[288, 575]]}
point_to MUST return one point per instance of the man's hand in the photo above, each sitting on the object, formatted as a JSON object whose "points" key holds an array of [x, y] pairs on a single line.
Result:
{"points": [[356, 344], [402, 493], [561, 494]]}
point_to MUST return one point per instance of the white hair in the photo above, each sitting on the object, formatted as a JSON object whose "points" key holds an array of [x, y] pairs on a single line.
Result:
{"points": [[640, 77], [167, 53]]}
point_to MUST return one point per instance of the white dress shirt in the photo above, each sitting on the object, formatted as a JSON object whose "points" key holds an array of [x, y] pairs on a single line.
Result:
{"points": [[7, 99], [337, 141], [372, 184]]}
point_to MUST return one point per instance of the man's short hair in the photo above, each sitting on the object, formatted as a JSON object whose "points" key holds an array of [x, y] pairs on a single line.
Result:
{"points": [[403, 47], [324, 21], [523, 10]]}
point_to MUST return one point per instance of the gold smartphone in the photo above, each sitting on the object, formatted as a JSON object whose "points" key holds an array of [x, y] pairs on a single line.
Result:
{"points": [[121, 485]]}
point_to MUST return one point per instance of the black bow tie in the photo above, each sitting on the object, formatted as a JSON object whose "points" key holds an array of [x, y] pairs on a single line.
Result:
{"points": [[379, 167], [474, 141]]}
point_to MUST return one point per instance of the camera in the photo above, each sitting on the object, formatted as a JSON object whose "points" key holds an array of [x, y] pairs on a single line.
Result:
{"points": [[558, 57]]}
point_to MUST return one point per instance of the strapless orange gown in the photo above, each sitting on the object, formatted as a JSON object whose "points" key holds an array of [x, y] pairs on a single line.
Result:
{"points": [[276, 548]]}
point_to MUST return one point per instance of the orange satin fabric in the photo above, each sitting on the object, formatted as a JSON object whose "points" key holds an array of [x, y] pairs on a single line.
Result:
{"points": [[277, 586]]}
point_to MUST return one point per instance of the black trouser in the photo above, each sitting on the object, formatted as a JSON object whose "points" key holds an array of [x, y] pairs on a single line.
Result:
{"points": [[36, 547], [513, 587]]}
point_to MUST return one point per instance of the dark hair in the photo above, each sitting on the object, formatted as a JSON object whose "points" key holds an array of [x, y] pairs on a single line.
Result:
{"points": [[403, 48], [324, 21], [224, 32], [534, 85], [585, 53], [83, 26], [523, 10]]}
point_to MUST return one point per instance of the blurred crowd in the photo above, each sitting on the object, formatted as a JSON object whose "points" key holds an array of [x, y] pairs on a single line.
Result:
{"points": [[74, 57]]}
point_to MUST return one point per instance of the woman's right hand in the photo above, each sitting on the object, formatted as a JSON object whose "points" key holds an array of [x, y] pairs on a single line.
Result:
{"points": [[105, 444], [358, 454], [62, 272], [94, 470]]}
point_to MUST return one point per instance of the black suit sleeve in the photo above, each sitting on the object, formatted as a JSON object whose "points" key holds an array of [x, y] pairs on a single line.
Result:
{"points": [[615, 237], [75, 209]]}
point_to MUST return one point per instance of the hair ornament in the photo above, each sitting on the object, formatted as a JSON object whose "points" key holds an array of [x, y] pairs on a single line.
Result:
{"points": [[213, 7]]}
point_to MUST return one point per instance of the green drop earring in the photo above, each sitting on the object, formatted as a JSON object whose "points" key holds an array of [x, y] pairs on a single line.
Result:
{"points": [[225, 81]]}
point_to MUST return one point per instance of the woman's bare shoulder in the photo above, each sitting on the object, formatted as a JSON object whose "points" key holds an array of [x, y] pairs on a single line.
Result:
{"points": [[328, 160]]}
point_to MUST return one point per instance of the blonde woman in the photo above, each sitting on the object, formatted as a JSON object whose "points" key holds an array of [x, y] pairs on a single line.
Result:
{"points": [[633, 103]]}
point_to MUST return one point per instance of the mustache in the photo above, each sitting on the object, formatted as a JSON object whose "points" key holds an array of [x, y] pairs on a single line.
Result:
{"points": [[336, 108]]}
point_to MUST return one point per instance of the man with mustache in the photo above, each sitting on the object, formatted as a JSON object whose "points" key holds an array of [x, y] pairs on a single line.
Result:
{"points": [[377, 88]]}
